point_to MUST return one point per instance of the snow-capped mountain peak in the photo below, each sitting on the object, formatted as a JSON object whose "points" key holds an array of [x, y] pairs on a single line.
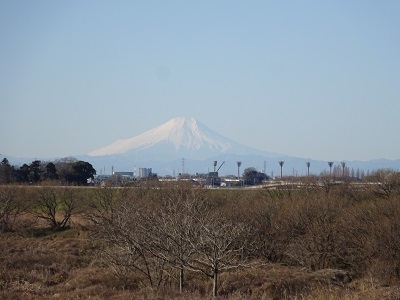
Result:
{"points": [[182, 133]]}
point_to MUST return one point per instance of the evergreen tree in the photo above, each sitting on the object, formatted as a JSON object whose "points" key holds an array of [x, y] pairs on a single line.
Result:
{"points": [[251, 176], [81, 172], [22, 174], [35, 171], [51, 172], [6, 171]]}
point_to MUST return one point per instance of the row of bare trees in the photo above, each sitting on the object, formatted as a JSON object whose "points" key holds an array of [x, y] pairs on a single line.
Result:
{"points": [[161, 233], [166, 232]]}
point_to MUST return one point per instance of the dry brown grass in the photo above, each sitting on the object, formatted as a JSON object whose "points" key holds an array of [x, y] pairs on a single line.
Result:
{"points": [[38, 263], [64, 265]]}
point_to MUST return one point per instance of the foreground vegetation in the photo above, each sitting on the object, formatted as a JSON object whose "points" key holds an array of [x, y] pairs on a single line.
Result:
{"points": [[183, 242]]}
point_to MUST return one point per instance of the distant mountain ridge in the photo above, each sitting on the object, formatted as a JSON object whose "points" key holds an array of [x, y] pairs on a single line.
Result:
{"points": [[179, 137], [185, 145]]}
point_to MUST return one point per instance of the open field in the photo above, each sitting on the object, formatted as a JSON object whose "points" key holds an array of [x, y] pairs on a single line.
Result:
{"points": [[182, 242]]}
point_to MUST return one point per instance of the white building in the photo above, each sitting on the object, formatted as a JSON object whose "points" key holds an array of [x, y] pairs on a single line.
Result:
{"points": [[144, 172]]}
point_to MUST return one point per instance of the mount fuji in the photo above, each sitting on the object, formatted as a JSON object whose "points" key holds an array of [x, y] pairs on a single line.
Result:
{"points": [[179, 137], [163, 148], [184, 145]]}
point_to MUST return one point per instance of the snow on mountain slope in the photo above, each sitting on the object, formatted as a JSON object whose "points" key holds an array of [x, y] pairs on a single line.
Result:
{"points": [[179, 136]]}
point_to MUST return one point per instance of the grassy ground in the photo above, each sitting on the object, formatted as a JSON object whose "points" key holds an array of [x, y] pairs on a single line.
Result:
{"points": [[302, 230], [65, 265]]}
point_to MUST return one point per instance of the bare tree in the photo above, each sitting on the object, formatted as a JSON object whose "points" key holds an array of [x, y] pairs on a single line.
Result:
{"points": [[130, 244], [260, 213], [55, 205], [385, 182], [220, 246], [173, 228], [121, 221], [313, 230], [11, 206]]}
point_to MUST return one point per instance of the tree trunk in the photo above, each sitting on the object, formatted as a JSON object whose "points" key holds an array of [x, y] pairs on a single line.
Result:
{"points": [[181, 279], [215, 283]]}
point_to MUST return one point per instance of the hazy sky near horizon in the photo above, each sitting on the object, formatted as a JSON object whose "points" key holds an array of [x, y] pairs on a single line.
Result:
{"points": [[314, 79]]}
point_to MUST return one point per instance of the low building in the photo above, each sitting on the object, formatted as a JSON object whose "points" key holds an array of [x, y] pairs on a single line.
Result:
{"points": [[123, 174]]}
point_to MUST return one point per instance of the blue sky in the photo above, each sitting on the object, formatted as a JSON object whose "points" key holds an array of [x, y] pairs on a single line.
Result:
{"points": [[314, 79]]}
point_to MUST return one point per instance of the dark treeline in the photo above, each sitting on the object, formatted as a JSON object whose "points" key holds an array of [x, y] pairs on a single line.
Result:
{"points": [[67, 170]]}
